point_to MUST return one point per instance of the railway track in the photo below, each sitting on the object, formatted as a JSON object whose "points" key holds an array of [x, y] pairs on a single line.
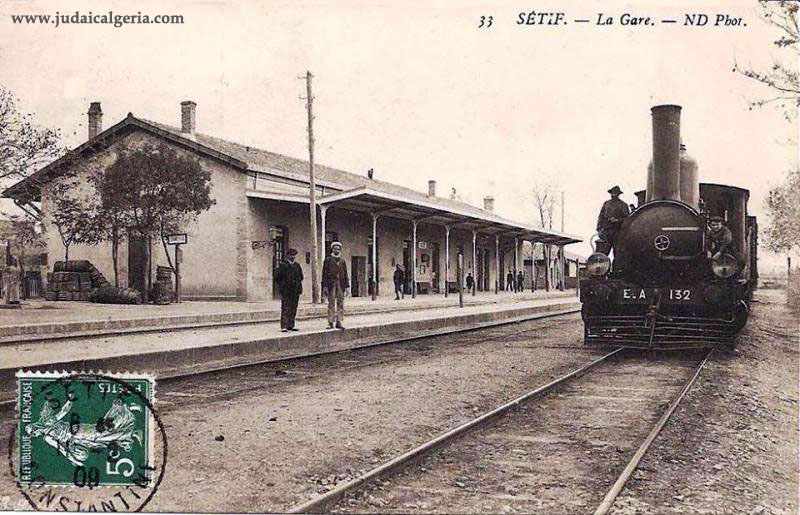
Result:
{"points": [[562, 454], [165, 381], [305, 368]]}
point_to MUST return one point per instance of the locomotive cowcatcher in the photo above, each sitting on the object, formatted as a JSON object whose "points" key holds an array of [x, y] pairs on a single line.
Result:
{"points": [[666, 289]]}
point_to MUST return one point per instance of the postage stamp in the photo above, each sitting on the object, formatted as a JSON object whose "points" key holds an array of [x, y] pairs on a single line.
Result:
{"points": [[84, 429]]}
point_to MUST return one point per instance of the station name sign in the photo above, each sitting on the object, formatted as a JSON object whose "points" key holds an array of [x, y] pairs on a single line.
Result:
{"points": [[177, 239]]}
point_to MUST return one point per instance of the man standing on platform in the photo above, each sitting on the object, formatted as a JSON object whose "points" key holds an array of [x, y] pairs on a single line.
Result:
{"points": [[520, 282], [289, 278], [510, 284], [399, 281], [335, 283]]}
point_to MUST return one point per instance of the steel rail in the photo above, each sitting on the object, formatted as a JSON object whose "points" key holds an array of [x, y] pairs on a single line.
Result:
{"points": [[9, 403], [322, 502], [616, 488]]}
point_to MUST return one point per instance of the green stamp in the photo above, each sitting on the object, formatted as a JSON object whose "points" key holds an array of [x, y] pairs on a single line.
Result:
{"points": [[85, 430]]}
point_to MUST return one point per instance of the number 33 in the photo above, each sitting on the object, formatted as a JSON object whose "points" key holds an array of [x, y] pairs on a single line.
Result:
{"points": [[486, 22]]}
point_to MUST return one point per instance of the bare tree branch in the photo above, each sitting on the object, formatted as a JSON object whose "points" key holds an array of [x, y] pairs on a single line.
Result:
{"points": [[24, 146], [782, 77]]}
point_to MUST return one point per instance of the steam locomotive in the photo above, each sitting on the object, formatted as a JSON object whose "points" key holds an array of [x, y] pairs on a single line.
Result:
{"points": [[664, 290]]}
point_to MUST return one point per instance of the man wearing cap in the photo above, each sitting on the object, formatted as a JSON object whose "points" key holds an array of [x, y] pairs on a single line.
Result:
{"points": [[609, 222], [289, 277], [335, 282], [719, 238]]}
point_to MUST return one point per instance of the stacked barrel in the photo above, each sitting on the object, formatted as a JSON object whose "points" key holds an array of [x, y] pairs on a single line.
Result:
{"points": [[162, 288]]}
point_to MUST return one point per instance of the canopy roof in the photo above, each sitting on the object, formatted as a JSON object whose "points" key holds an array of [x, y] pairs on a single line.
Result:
{"points": [[367, 200]]}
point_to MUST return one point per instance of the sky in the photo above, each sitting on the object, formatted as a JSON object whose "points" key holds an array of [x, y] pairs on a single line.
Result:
{"points": [[417, 91]]}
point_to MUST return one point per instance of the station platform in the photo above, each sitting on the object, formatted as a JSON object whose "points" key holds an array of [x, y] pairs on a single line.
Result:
{"points": [[203, 349], [39, 319]]}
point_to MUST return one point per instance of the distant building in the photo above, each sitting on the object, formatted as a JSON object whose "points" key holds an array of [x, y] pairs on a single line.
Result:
{"points": [[31, 257], [573, 264], [262, 209]]}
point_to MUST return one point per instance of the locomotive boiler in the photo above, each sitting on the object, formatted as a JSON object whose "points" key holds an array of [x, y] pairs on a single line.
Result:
{"points": [[666, 289]]}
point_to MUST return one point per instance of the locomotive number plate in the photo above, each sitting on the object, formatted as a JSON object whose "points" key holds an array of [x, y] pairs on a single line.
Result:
{"points": [[636, 295], [645, 295], [679, 295]]}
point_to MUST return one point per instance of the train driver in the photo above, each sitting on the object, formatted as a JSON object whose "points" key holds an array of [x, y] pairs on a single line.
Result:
{"points": [[609, 221], [720, 238]]}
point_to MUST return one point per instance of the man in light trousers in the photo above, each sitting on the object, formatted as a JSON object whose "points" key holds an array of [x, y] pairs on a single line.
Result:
{"points": [[335, 283]]}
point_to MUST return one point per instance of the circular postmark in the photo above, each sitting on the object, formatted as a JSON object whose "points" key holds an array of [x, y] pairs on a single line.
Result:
{"points": [[86, 441]]}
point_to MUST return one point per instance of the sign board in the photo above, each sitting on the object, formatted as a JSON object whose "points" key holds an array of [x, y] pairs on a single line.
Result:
{"points": [[177, 239], [423, 244]]}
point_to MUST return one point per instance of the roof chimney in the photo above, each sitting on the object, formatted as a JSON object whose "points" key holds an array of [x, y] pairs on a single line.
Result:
{"points": [[188, 121], [488, 203], [95, 119], [431, 188], [453, 194]]}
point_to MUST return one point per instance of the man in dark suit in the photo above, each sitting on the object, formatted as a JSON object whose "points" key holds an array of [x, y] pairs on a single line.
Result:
{"points": [[335, 282], [609, 221], [470, 282], [399, 280], [289, 277]]}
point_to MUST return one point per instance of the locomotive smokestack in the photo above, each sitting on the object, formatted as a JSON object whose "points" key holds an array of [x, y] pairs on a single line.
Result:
{"points": [[666, 153]]}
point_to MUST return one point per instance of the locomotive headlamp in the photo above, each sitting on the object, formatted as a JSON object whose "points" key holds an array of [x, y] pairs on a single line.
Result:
{"points": [[598, 264], [724, 266]]}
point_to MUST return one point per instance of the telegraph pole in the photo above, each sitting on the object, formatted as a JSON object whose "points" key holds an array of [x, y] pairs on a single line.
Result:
{"points": [[313, 188], [562, 210]]}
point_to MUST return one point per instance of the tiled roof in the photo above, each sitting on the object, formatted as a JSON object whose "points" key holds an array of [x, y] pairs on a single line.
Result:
{"points": [[257, 158]]}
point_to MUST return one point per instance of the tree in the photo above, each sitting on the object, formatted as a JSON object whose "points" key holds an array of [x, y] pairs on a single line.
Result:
{"points": [[781, 77], [25, 236], [783, 201], [112, 214], [24, 146], [783, 205], [544, 201], [155, 191], [75, 211]]}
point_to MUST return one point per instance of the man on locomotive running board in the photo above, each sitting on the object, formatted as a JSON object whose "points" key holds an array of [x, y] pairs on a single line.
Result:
{"points": [[609, 221]]}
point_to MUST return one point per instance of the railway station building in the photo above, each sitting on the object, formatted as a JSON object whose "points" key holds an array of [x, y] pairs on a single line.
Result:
{"points": [[262, 210]]}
